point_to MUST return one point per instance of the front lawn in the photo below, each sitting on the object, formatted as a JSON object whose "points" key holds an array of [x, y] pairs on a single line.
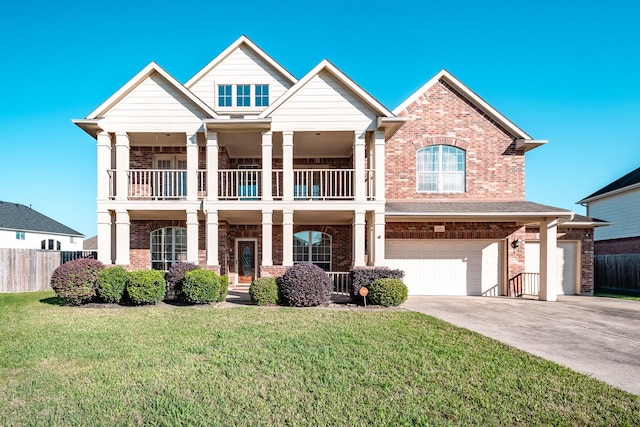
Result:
{"points": [[164, 365]]}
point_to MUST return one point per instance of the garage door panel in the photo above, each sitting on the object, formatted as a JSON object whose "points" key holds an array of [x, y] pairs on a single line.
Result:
{"points": [[439, 267]]}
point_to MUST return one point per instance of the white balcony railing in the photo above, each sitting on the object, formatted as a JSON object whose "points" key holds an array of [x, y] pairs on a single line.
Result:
{"points": [[243, 184], [157, 184]]}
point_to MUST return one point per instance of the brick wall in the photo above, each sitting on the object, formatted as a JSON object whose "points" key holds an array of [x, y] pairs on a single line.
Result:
{"points": [[628, 245], [494, 169]]}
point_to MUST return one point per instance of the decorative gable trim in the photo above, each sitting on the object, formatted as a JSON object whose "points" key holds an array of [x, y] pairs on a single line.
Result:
{"points": [[137, 80], [243, 40], [342, 78]]}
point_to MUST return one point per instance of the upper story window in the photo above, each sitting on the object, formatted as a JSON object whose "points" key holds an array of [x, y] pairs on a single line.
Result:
{"points": [[440, 169], [73, 239], [243, 98], [20, 235], [262, 95], [224, 96], [50, 244], [246, 95]]}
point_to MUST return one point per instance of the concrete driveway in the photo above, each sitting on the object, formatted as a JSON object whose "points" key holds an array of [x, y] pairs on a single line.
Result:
{"points": [[596, 336]]}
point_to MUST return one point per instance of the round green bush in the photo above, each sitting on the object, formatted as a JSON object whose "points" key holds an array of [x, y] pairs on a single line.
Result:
{"points": [[201, 287], [264, 291], [305, 285], [112, 282], [224, 287], [75, 281], [387, 292], [145, 286]]}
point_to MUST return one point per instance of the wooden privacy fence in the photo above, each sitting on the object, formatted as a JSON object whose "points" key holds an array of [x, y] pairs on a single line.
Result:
{"points": [[27, 270], [617, 273]]}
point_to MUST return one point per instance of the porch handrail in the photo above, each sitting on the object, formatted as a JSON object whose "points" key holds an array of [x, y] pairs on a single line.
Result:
{"points": [[524, 284], [240, 184], [323, 184], [339, 282], [157, 183]]}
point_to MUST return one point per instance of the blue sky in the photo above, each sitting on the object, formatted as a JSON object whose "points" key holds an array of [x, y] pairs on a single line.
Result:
{"points": [[566, 71]]}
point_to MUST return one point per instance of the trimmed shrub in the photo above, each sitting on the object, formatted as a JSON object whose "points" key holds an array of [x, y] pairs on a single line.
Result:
{"points": [[112, 282], [200, 287], [264, 291], [175, 277], [75, 281], [224, 287], [146, 286], [387, 292], [363, 277], [304, 285]]}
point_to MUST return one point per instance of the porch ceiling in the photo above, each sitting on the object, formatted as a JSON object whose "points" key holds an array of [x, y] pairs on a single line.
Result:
{"points": [[299, 217], [305, 144]]}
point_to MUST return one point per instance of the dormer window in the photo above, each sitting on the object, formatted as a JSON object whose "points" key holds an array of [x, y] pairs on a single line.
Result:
{"points": [[245, 96]]}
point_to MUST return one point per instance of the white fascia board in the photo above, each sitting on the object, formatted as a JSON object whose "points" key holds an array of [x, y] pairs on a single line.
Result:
{"points": [[90, 126], [609, 193], [325, 65], [235, 45], [471, 96], [139, 78], [504, 216]]}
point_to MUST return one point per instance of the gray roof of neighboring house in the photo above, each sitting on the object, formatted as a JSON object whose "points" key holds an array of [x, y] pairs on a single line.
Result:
{"points": [[90, 243], [14, 216], [632, 178]]}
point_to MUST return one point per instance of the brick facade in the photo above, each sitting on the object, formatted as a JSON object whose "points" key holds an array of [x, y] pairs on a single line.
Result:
{"points": [[494, 168], [627, 245]]}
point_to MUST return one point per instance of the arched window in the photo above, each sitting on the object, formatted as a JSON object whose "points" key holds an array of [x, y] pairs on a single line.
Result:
{"points": [[168, 246], [312, 247], [440, 169]]}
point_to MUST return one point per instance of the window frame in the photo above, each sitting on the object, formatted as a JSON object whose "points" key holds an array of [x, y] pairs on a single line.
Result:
{"points": [[261, 95], [158, 248], [308, 256], [440, 173], [20, 235], [227, 97]]}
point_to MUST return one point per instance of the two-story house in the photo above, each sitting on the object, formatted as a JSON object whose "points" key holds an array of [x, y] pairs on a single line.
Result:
{"points": [[246, 170]]}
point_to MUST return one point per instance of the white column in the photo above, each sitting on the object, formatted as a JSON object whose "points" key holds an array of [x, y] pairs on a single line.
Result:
{"points": [[122, 165], [104, 237], [212, 170], [104, 165], [267, 166], [267, 237], [287, 238], [358, 239], [123, 227], [212, 238], [192, 236], [192, 167], [359, 164], [548, 257], [378, 241], [379, 156], [287, 166]]}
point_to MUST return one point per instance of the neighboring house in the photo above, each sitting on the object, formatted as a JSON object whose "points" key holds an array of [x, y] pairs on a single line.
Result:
{"points": [[618, 203], [246, 170], [24, 228]]}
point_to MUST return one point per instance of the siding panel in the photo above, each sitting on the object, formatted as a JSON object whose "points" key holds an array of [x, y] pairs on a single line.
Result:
{"points": [[616, 209]]}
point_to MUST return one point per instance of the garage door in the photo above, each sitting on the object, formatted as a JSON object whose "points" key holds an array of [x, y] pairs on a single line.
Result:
{"points": [[566, 264], [447, 267]]}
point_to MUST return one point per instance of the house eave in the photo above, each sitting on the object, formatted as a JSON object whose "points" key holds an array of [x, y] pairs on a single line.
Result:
{"points": [[90, 126], [609, 194], [529, 144], [519, 217], [390, 125]]}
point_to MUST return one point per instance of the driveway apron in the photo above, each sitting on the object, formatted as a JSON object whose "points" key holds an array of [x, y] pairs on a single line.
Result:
{"points": [[599, 337]]}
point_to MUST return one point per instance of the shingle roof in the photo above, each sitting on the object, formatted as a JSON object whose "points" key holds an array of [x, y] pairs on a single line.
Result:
{"points": [[472, 207], [14, 216], [632, 178]]}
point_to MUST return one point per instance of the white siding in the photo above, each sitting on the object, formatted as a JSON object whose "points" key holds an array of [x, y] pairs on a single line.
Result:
{"points": [[154, 105], [323, 104], [621, 210], [32, 240], [242, 66]]}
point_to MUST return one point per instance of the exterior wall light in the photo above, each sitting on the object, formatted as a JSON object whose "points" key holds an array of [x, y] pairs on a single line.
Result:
{"points": [[516, 243]]}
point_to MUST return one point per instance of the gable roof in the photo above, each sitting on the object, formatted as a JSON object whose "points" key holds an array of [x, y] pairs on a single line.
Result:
{"points": [[627, 182], [342, 78], [151, 68], [14, 216], [523, 140], [242, 40]]}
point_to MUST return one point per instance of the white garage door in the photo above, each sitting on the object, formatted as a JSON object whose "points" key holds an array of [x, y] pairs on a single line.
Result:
{"points": [[566, 264], [447, 267]]}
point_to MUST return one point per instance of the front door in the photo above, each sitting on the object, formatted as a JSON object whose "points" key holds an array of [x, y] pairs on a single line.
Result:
{"points": [[246, 261]]}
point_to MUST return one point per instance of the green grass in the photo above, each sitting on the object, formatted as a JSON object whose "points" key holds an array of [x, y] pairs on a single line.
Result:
{"points": [[618, 296], [160, 365]]}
